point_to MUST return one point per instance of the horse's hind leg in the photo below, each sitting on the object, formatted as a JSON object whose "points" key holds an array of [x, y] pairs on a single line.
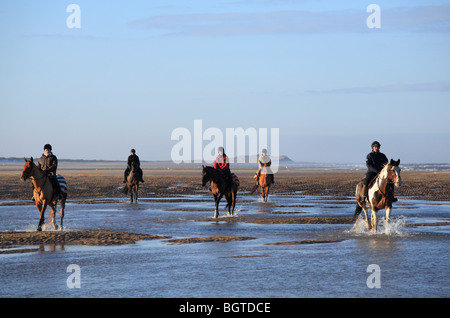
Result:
{"points": [[61, 213], [52, 215], [368, 226]]}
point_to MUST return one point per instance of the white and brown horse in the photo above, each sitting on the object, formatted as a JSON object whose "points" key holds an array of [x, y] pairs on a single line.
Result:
{"points": [[380, 194], [219, 188], [44, 194]]}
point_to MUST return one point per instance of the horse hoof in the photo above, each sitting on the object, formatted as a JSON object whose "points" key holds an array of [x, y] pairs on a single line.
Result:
{"points": [[39, 229]]}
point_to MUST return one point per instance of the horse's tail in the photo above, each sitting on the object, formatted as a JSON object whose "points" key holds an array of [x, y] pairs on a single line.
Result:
{"points": [[254, 188], [358, 211]]}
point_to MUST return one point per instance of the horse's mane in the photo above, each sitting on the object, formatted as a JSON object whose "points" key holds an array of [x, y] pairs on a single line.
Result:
{"points": [[384, 172]]}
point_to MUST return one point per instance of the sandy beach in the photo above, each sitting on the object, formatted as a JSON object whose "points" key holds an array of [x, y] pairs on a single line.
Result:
{"points": [[106, 184], [96, 181]]}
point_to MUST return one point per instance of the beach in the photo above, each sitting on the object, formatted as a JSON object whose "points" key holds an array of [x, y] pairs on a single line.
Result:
{"points": [[95, 181]]}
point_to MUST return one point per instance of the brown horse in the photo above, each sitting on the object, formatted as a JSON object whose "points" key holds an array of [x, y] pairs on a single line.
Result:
{"points": [[264, 182], [132, 186], [219, 188], [380, 194], [44, 193]]}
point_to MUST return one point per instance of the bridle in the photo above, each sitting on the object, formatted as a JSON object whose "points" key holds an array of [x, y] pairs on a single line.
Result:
{"points": [[389, 180]]}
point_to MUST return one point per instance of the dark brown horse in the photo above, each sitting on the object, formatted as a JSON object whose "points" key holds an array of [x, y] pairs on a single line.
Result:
{"points": [[264, 182], [380, 194], [219, 188], [44, 193], [132, 186]]}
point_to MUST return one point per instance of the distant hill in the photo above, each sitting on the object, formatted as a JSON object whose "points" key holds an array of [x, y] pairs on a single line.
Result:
{"points": [[254, 159]]}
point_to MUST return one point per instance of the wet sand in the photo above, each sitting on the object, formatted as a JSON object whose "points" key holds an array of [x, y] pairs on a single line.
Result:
{"points": [[97, 184], [85, 185], [80, 237]]}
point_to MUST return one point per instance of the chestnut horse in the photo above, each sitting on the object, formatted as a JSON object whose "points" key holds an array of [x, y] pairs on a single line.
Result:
{"points": [[264, 182], [219, 188], [380, 194], [132, 186], [43, 193]]}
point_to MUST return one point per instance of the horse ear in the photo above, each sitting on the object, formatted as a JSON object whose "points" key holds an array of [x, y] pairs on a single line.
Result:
{"points": [[398, 162], [25, 159], [392, 162], [31, 159], [203, 167]]}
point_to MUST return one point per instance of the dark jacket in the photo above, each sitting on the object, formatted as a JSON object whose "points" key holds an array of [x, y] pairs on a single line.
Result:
{"points": [[375, 161], [48, 164], [133, 163]]}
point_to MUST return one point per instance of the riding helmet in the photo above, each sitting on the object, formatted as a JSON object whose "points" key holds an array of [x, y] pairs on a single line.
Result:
{"points": [[48, 146], [376, 144]]}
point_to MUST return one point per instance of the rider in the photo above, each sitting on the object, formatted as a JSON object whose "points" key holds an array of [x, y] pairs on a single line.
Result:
{"points": [[135, 165], [223, 165], [375, 162], [48, 163], [264, 160]]}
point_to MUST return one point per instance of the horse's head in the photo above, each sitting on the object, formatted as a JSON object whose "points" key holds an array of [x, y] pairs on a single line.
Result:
{"points": [[393, 172], [26, 173], [204, 176]]}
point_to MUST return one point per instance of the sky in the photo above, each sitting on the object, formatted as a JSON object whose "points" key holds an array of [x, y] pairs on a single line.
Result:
{"points": [[135, 71]]}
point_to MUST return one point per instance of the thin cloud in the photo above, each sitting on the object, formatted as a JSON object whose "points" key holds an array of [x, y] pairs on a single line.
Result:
{"points": [[415, 19], [440, 86]]}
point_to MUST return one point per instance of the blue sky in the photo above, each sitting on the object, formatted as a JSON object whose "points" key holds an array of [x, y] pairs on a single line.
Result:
{"points": [[137, 70]]}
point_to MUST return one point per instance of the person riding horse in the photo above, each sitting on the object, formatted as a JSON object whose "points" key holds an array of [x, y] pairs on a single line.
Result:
{"points": [[48, 163], [264, 161], [375, 161], [133, 164], [223, 165]]}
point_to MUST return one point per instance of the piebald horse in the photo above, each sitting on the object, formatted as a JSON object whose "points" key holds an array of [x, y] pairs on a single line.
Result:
{"points": [[43, 193], [219, 188], [380, 194]]}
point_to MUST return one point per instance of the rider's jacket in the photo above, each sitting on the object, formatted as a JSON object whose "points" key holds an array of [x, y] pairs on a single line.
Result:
{"points": [[133, 163], [222, 163], [48, 164], [375, 161]]}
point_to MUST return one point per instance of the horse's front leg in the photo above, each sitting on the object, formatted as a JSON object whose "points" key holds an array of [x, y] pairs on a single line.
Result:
{"points": [[374, 221], [217, 198], [41, 207], [388, 215]]}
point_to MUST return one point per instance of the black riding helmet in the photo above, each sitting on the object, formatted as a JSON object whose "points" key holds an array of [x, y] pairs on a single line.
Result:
{"points": [[376, 144], [48, 146]]}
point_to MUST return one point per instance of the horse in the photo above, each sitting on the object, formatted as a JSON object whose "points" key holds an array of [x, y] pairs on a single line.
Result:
{"points": [[264, 182], [219, 188], [380, 194], [44, 193], [132, 186]]}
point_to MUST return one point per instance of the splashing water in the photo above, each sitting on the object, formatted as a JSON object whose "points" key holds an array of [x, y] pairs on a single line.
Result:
{"points": [[394, 227]]}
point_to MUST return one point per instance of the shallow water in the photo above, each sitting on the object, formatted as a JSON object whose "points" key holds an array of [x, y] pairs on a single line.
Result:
{"points": [[412, 261]]}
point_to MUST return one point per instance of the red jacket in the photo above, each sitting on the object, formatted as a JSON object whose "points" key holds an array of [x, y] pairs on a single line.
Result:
{"points": [[222, 163]]}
